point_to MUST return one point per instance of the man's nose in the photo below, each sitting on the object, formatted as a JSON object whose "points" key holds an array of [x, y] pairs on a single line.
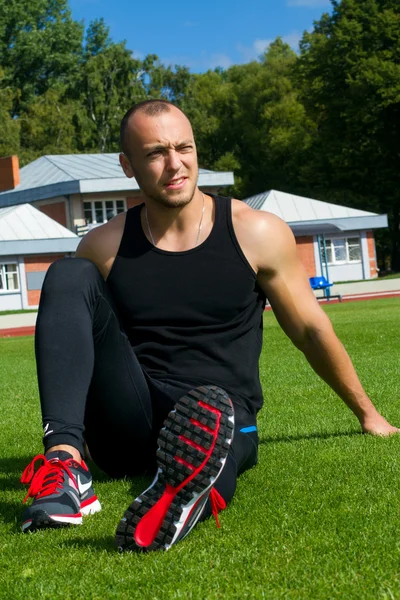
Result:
{"points": [[173, 161]]}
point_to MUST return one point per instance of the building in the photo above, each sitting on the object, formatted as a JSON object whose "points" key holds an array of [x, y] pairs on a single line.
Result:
{"points": [[334, 241], [47, 203], [29, 242]]}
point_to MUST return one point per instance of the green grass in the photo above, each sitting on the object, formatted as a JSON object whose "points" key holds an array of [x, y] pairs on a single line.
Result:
{"points": [[318, 518], [17, 312]]}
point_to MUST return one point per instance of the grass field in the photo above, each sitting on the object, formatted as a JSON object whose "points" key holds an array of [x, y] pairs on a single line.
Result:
{"points": [[318, 518]]}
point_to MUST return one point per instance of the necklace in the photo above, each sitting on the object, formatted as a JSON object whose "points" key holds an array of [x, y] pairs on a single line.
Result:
{"points": [[198, 232]]}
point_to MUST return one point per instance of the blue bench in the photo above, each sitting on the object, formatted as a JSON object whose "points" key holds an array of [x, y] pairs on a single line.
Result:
{"points": [[321, 283]]}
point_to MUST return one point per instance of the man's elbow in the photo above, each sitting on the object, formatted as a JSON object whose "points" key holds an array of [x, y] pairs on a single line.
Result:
{"points": [[314, 336]]}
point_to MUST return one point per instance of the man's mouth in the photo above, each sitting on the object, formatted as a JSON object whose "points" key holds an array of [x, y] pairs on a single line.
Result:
{"points": [[176, 184]]}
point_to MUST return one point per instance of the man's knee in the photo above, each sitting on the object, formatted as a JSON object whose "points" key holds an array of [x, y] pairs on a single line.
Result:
{"points": [[70, 273]]}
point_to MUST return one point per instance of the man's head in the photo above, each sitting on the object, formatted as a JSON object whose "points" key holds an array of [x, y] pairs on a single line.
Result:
{"points": [[159, 151]]}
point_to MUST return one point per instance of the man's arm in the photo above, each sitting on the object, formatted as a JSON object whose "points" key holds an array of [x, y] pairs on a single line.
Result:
{"points": [[282, 277]]}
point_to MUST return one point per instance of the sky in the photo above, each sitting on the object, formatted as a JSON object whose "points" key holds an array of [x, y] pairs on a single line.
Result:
{"points": [[202, 35]]}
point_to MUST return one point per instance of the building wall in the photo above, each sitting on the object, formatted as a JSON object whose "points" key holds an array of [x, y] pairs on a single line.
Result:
{"points": [[373, 272], [351, 271], [305, 249], [35, 271], [55, 211], [348, 272], [12, 300]]}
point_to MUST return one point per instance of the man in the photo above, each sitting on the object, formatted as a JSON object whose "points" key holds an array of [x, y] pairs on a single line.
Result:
{"points": [[156, 327]]}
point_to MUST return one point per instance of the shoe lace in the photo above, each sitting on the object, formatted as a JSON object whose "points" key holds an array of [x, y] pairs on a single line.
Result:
{"points": [[217, 504], [48, 478]]}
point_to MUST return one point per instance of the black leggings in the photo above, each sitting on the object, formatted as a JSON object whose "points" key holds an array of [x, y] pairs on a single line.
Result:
{"points": [[92, 387]]}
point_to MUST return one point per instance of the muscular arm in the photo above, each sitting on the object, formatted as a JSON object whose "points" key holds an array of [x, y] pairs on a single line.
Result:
{"points": [[283, 279]]}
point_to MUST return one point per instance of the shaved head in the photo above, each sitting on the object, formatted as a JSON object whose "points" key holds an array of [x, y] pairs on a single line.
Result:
{"points": [[160, 152], [151, 108]]}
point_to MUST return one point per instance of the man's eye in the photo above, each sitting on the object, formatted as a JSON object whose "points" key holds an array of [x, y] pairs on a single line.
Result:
{"points": [[155, 153]]}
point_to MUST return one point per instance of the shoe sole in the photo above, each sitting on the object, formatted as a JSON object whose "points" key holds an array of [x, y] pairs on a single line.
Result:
{"points": [[41, 520], [192, 449], [90, 507]]}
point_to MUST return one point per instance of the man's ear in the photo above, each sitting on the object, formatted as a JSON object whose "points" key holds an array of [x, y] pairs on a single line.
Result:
{"points": [[126, 165]]}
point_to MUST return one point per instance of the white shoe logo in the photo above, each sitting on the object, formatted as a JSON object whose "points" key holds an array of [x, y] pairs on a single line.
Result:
{"points": [[83, 487], [46, 430]]}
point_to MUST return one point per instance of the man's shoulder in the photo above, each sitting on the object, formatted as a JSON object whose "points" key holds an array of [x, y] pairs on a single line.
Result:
{"points": [[262, 235], [256, 222], [100, 244]]}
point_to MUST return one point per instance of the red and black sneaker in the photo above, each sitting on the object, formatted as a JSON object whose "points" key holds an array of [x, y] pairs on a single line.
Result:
{"points": [[61, 490], [192, 449]]}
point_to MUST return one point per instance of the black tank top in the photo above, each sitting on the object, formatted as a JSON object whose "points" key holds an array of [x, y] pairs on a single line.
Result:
{"points": [[192, 316]]}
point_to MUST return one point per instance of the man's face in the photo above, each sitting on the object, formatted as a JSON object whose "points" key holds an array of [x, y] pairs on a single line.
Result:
{"points": [[162, 157]]}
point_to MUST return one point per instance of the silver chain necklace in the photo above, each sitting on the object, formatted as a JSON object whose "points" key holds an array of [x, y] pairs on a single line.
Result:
{"points": [[198, 233]]}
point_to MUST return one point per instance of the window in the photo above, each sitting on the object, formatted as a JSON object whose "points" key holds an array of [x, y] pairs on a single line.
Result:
{"points": [[101, 211], [341, 250], [9, 278]]}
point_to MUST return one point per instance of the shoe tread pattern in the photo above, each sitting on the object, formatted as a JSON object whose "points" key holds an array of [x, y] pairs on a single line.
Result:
{"points": [[41, 520], [178, 423]]}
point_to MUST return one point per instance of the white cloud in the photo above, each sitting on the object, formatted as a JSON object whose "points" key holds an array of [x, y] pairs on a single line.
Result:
{"points": [[309, 3], [218, 60], [202, 63], [293, 39], [260, 46]]}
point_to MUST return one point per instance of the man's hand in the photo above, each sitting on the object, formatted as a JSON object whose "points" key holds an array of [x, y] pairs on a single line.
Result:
{"points": [[377, 425]]}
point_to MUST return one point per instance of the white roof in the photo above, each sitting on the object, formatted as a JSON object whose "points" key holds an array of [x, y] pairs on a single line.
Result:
{"points": [[24, 222], [294, 209]]}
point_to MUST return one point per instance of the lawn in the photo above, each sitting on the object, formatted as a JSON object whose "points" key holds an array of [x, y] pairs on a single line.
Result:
{"points": [[318, 518]]}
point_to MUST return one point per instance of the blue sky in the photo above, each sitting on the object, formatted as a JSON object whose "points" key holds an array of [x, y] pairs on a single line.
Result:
{"points": [[202, 35]]}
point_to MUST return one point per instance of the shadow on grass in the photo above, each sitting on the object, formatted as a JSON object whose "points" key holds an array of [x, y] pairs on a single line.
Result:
{"points": [[11, 512], [104, 543], [308, 436]]}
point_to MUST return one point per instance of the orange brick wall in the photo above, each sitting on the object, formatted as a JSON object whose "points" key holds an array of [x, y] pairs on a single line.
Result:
{"points": [[133, 201], [38, 263], [55, 211], [305, 249], [371, 254], [33, 297]]}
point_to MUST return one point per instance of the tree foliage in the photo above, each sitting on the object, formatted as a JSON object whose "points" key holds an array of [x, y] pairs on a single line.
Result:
{"points": [[324, 123], [349, 72]]}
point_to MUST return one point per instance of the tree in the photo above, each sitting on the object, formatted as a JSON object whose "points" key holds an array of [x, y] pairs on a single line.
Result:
{"points": [[40, 45], [112, 80], [9, 127], [49, 126], [109, 85], [349, 71], [249, 118]]}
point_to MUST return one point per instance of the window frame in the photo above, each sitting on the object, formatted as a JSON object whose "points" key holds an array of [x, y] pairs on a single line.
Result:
{"points": [[104, 209], [3, 263], [330, 246]]}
